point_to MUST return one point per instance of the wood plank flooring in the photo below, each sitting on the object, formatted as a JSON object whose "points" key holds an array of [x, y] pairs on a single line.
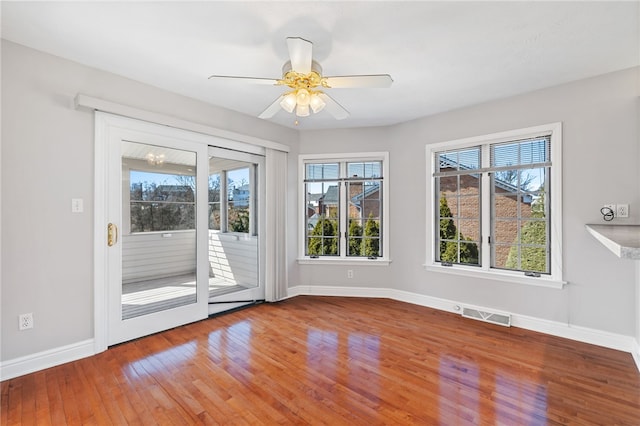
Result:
{"points": [[335, 361]]}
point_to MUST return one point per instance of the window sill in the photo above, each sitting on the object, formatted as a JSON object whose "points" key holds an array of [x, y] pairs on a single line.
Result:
{"points": [[343, 261], [517, 278]]}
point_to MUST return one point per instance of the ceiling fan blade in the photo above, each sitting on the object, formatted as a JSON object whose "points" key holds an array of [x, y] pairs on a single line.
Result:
{"points": [[360, 81], [272, 109], [300, 53], [255, 80], [334, 108]]}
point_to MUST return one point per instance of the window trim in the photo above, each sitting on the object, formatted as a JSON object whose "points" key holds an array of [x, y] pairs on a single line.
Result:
{"points": [[303, 159], [555, 278]]}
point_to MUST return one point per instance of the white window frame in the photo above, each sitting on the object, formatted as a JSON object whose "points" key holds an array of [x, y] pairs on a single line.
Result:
{"points": [[343, 259], [555, 278]]}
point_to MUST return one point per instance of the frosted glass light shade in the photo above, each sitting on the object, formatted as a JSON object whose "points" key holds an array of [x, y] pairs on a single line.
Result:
{"points": [[303, 97], [316, 103], [302, 110], [289, 102]]}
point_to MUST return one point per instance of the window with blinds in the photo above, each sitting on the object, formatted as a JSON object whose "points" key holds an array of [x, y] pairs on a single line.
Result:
{"points": [[493, 199], [519, 175]]}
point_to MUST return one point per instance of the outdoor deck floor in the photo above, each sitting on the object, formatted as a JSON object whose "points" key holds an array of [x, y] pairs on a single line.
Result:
{"points": [[145, 297]]}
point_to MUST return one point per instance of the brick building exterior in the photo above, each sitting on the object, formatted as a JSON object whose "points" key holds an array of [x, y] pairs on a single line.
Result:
{"points": [[364, 201], [465, 210]]}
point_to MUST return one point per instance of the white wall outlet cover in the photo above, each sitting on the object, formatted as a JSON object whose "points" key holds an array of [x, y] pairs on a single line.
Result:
{"points": [[622, 210], [25, 321], [77, 205]]}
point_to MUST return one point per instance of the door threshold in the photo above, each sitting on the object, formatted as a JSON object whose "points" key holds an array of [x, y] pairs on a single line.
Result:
{"points": [[216, 309]]}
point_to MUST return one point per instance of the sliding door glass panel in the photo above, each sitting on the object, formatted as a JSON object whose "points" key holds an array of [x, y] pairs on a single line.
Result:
{"points": [[239, 197], [233, 233], [159, 229], [214, 201]]}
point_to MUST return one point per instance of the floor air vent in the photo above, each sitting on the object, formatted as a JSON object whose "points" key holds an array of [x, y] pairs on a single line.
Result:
{"points": [[492, 317]]}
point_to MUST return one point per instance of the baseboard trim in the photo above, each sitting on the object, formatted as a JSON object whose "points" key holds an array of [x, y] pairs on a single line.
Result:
{"points": [[636, 353], [339, 291], [554, 328], [46, 359]]}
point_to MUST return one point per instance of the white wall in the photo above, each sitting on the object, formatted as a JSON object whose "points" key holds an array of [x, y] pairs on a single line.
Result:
{"points": [[600, 165], [47, 159]]}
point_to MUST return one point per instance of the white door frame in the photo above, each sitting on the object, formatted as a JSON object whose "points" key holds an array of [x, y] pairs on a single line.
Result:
{"points": [[108, 127]]}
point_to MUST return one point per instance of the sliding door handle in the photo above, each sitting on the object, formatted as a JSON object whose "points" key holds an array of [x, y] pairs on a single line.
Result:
{"points": [[112, 234]]}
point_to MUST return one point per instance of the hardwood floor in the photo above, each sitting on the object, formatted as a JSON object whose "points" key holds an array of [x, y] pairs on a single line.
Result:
{"points": [[335, 361]]}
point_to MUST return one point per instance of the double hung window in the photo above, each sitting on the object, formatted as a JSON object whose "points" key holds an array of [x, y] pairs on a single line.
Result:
{"points": [[344, 208], [497, 204]]}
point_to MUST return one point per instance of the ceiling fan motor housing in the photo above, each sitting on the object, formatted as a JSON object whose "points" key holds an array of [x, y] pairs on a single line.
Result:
{"points": [[296, 80]]}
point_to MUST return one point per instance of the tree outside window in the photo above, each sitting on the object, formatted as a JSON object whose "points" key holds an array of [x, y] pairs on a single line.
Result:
{"points": [[168, 206]]}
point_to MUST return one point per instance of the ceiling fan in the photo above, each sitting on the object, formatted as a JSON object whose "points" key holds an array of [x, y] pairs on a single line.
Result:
{"points": [[303, 76]]}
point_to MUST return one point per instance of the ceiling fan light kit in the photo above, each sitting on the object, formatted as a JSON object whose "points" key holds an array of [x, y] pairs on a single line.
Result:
{"points": [[304, 75], [301, 100]]}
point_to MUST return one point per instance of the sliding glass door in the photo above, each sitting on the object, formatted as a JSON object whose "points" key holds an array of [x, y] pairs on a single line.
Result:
{"points": [[156, 235], [179, 228], [158, 229], [236, 205]]}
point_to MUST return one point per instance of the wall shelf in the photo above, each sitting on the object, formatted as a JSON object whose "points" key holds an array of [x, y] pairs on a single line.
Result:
{"points": [[622, 240]]}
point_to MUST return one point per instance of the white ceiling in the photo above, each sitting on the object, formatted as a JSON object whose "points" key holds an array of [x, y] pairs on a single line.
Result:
{"points": [[441, 55]]}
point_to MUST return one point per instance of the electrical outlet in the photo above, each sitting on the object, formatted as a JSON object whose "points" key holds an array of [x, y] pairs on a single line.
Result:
{"points": [[622, 210], [350, 273], [25, 321], [77, 205]]}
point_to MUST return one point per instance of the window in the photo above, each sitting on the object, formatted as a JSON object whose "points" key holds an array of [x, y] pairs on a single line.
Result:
{"points": [[344, 210], [497, 204]]}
